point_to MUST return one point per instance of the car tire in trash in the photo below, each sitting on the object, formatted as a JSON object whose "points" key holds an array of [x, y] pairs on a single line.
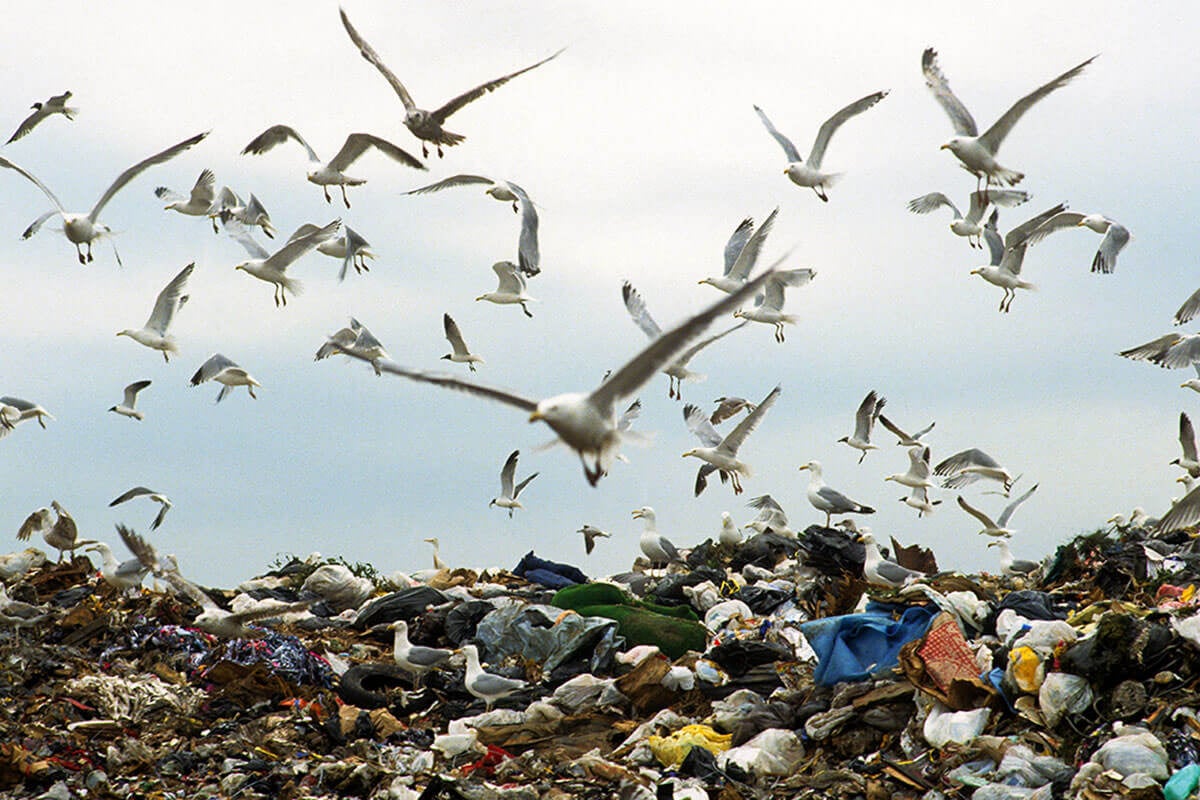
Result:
{"points": [[361, 685]]}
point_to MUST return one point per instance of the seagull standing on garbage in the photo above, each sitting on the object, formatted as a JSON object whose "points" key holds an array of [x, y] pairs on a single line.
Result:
{"points": [[437, 558], [158, 497], [487, 687], [828, 499], [655, 546], [55, 105], [864, 423], [154, 333], [128, 405], [121, 575], [413, 657], [729, 536], [1013, 567], [17, 614], [508, 491], [590, 534], [999, 526], [63, 535], [878, 571]]}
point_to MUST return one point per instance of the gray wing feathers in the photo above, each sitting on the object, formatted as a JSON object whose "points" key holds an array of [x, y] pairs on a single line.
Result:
{"points": [[131, 173], [960, 118], [833, 123], [793, 155], [994, 136]]}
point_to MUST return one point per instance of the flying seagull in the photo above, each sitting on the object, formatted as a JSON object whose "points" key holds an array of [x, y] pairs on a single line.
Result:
{"points": [[770, 516], [810, 174], [1007, 256], [590, 534], [356, 337], [154, 333], [460, 354], [969, 466], [427, 125], [220, 369], [55, 105], [918, 498], [970, 226], [905, 439], [1013, 566], [918, 475], [350, 247], [978, 153], [510, 287], [413, 657], [1187, 442], [768, 307], [83, 229], [828, 499], [864, 423], [528, 258], [333, 172], [1116, 235], [655, 546], [487, 687], [587, 421], [999, 526], [677, 371], [158, 497], [14, 410], [198, 203], [729, 407], [722, 455], [271, 267], [741, 253], [128, 405], [229, 207], [508, 492]]}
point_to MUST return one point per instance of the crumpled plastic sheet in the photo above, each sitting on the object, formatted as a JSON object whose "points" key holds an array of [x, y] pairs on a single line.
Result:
{"points": [[530, 631], [168, 638], [944, 726], [775, 752], [285, 655], [1022, 767], [1062, 693], [853, 647], [133, 700]]}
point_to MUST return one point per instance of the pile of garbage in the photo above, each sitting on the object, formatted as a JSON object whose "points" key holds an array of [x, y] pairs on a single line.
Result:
{"points": [[769, 669]]}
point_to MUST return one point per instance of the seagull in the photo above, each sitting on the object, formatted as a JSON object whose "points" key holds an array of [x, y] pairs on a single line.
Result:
{"points": [[878, 571], [437, 559], [142, 491], [1116, 235], [864, 422], [63, 535], [18, 614], [677, 371], [728, 407], [1007, 256], [220, 369], [770, 516], [829, 500], [969, 466], [81, 229], [1192, 383], [769, 305], [154, 333], [729, 536], [998, 527], [121, 575], [1013, 567], [55, 105], [252, 213], [970, 226], [487, 687], [199, 203], [332, 173], [918, 498], [461, 354], [356, 337], [722, 455], [905, 439], [918, 475], [427, 125], [1171, 350], [413, 657], [528, 258], [1187, 441], [590, 534], [978, 153], [14, 410], [1189, 309], [508, 492], [587, 421], [741, 253], [128, 406], [510, 289], [655, 546], [351, 247], [810, 174], [271, 267]]}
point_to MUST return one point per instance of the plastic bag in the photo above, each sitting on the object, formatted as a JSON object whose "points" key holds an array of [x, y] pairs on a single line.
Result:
{"points": [[1062, 693], [943, 726], [773, 752]]}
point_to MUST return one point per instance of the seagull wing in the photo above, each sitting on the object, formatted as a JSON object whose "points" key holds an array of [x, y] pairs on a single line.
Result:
{"points": [[131, 392], [1007, 198], [960, 118], [267, 612], [1155, 350], [687, 354], [451, 382], [737, 240], [242, 235], [1184, 513], [793, 155], [372, 58], [4, 162], [204, 191], [1022, 233], [748, 256], [358, 143], [992, 237], [994, 136], [211, 368], [527, 246], [511, 281], [734, 439], [1115, 239], [278, 134], [1187, 437], [454, 336], [144, 551], [136, 491], [642, 367], [833, 123], [698, 423], [304, 230], [507, 473], [137, 169], [520, 486], [452, 181], [864, 418], [30, 122], [967, 458], [895, 429], [1011, 507], [1182, 354], [1061, 220], [918, 461], [190, 589], [38, 520], [983, 518], [630, 414], [636, 307], [169, 300], [298, 247], [932, 201], [162, 513], [479, 91]]}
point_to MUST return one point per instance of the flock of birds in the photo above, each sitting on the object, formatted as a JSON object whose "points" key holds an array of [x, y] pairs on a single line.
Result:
{"points": [[595, 421]]}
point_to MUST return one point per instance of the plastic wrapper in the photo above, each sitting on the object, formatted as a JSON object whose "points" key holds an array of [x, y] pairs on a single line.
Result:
{"points": [[1062, 693]]}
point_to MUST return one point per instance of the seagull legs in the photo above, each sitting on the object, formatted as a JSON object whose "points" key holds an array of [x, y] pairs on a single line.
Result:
{"points": [[344, 198], [820, 190], [779, 332], [528, 313], [79, 252]]}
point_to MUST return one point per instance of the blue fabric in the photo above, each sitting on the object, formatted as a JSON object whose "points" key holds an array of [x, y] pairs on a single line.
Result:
{"points": [[854, 647], [548, 573]]}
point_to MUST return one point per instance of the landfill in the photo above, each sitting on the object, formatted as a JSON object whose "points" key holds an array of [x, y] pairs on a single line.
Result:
{"points": [[767, 669]]}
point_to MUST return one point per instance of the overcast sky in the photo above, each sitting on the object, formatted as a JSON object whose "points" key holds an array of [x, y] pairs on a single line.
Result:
{"points": [[642, 151]]}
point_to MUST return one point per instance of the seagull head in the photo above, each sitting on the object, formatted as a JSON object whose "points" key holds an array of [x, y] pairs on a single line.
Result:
{"points": [[691, 452], [36, 106], [645, 512], [813, 466]]}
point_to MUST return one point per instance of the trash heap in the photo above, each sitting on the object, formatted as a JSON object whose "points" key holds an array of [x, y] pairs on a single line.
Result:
{"points": [[769, 669]]}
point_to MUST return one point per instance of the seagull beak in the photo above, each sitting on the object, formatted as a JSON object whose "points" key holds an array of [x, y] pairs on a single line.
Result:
{"points": [[946, 146], [535, 416], [804, 466]]}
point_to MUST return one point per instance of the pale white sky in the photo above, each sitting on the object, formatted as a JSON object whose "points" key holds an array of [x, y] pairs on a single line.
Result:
{"points": [[641, 148]]}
